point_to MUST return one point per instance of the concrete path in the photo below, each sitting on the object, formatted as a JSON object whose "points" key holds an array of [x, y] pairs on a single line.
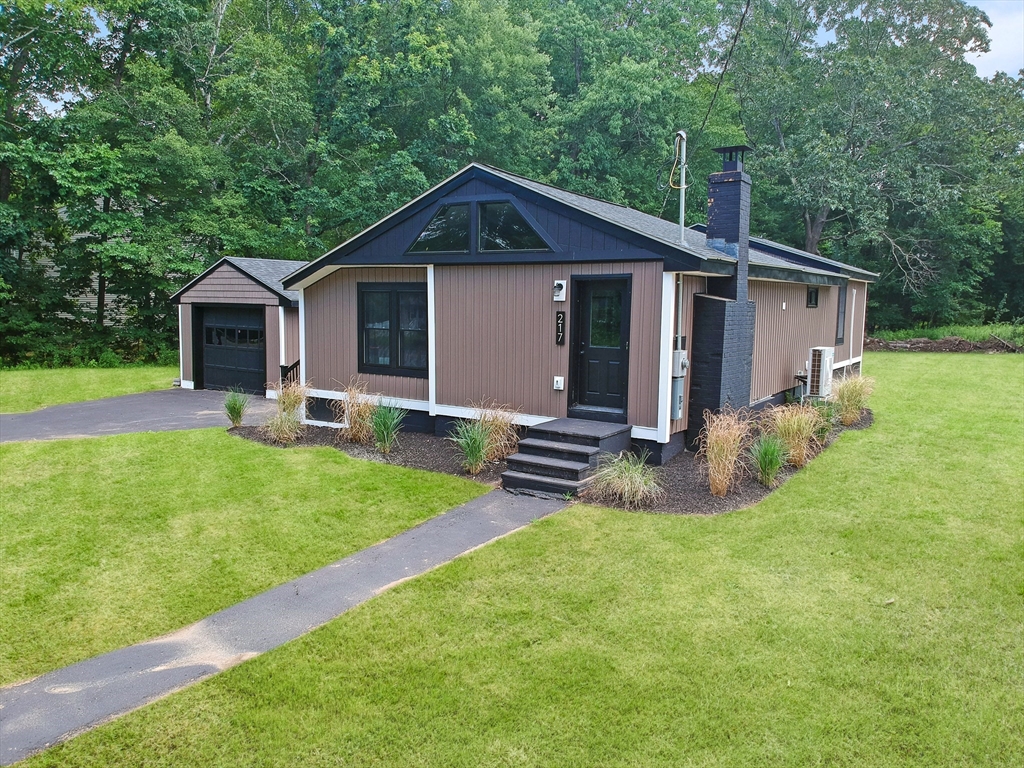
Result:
{"points": [[159, 411], [52, 708]]}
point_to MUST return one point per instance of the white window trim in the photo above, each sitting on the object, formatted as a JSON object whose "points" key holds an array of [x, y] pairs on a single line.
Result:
{"points": [[668, 297], [431, 344]]}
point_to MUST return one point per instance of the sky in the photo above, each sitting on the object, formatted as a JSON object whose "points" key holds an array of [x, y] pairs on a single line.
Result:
{"points": [[1006, 35]]}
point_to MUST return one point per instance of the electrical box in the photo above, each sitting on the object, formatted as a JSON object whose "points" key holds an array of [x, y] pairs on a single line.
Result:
{"points": [[559, 292], [559, 383], [680, 362]]}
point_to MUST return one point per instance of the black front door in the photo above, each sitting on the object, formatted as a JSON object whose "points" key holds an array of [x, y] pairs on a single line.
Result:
{"points": [[600, 376]]}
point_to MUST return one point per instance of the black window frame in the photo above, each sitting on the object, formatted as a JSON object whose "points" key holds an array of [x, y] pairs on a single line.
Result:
{"points": [[812, 291], [474, 202], [394, 369], [841, 315]]}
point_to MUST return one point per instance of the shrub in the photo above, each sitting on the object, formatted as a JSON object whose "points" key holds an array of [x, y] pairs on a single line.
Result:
{"points": [[236, 403], [769, 455], [502, 431], [851, 397], [721, 442], [387, 421], [355, 412], [292, 397], [626, 479], [109, 359], [283, 427], [797, 426], [472, 438]]}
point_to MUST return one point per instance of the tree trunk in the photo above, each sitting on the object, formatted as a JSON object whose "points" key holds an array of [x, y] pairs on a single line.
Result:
{"points": [[814, 228]]}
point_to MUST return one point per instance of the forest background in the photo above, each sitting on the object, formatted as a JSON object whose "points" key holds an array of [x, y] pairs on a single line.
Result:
{"points": [[142, 140]]}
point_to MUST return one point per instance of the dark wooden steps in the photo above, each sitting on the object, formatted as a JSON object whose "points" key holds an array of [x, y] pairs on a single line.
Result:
{"points": [[558, 457]]}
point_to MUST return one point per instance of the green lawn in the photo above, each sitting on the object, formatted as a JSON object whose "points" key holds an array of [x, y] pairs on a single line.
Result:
{"points": [[29, 390], [111, 541], [869, 613]]}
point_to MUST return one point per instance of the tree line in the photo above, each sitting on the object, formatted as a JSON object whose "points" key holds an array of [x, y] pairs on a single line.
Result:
{"points": [[142, 140]]}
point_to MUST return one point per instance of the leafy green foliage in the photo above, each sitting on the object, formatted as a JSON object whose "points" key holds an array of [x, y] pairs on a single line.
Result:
{"points": [[387, 423]]}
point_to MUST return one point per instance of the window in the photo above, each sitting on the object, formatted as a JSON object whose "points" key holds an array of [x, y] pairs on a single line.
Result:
{"points": [[812, 296], [841, 317], [503, 228], [393, 329], [447, 232]]}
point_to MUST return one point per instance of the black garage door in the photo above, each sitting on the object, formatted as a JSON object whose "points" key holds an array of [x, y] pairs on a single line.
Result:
{"points": [[234, 348]]}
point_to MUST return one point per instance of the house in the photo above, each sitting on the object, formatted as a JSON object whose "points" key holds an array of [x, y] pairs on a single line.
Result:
{"points": [[238, 326], [603, 326]]}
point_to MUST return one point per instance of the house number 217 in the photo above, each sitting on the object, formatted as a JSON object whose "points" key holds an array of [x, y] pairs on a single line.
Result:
{"points": [[559, 328]]}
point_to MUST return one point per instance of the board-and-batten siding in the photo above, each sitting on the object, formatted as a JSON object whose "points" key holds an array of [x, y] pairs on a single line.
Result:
{"points": [[783, 337], [496, 336], [691, 284], [291, 335], [332, 333], [185, 331]]}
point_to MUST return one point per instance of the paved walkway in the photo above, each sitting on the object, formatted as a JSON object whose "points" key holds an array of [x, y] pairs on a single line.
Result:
{"points": [[54, 707], [159, 411]]}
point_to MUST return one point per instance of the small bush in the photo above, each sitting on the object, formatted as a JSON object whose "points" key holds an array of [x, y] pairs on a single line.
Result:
{"points": [[283, 427], [109, 359], [769, 456], [355, 411], [721, 443], [472, 438], [851, 397], [502, 431], [797, 426], [626, 479], [236, 403], [387, 422]]}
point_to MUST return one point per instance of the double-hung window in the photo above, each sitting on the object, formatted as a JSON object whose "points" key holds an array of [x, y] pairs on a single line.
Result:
{"points": [[393, 329]]}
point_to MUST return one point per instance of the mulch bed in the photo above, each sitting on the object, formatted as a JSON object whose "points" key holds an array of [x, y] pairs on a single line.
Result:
{"points": [[686, 488], [948, 344], [414, 449]]}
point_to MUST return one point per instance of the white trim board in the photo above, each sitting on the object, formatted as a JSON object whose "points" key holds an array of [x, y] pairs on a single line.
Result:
{"points": [[181, 348], [431, 344], [280, 333], [186, 384], [850, 361], [668, 300]]}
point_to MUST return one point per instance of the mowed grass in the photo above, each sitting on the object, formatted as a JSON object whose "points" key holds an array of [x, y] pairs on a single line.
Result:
{"points": [[869, 613], [30, 390], [110, 541]]}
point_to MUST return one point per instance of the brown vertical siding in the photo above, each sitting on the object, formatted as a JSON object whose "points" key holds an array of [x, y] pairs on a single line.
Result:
{"points": [[496, 336], [782, 338], [291, 335], [332, 341], [185, 332], [271, 324], [226, 285], [691, 285]]}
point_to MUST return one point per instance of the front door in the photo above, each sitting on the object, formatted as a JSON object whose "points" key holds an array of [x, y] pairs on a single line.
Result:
{"points": [[601, 323]]}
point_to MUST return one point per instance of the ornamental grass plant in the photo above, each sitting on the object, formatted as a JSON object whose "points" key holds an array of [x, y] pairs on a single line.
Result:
{"points": [[236, 403], [850, 396], [355, 412], [797, 425], [283, 427], [768, 454], [471, 436], [721, 444], [499, 421], [387, 423], [626, 479]]}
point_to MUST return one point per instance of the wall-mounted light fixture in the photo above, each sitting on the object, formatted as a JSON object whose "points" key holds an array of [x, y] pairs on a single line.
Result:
{"points": [[558, 292]]}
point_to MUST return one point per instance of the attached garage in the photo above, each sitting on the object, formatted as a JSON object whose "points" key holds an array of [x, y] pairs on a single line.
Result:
{"points": [[238, 327]]}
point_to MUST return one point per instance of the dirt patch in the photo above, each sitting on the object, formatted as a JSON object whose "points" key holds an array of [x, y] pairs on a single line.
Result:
{"points": [[948, 344], [415, 449]]}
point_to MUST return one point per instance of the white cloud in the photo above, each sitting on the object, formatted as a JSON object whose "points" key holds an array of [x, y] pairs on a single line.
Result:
{"points": [[1006, 35]]}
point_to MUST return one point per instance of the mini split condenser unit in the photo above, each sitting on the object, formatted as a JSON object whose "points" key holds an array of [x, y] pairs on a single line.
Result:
{"points": [[819, 371]]}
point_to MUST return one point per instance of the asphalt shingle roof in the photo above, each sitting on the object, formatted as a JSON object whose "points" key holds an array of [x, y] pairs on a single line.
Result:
{"points": [[270, 272]]}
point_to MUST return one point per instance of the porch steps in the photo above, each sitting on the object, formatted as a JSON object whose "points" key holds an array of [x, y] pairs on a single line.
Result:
{"points": [[557, 458]]}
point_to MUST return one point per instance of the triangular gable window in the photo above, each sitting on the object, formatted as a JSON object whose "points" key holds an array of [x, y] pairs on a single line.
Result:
{"points": [[503, 228], [447, 232]]}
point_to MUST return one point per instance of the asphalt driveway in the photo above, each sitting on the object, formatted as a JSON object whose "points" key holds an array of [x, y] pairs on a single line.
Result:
{"points": [[164, 410]]}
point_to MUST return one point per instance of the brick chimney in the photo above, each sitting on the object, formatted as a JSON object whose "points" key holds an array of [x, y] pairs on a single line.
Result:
{"points": [[728, 228]]}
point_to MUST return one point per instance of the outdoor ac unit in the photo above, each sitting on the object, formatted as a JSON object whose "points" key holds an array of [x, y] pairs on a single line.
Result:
{"points": [[819, 371]]}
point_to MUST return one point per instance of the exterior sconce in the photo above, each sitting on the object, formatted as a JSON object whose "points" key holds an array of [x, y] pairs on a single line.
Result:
{"points": [[558, 292]]}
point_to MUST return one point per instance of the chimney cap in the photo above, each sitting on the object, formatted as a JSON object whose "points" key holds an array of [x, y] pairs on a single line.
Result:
{"points": [[738, 149]]}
